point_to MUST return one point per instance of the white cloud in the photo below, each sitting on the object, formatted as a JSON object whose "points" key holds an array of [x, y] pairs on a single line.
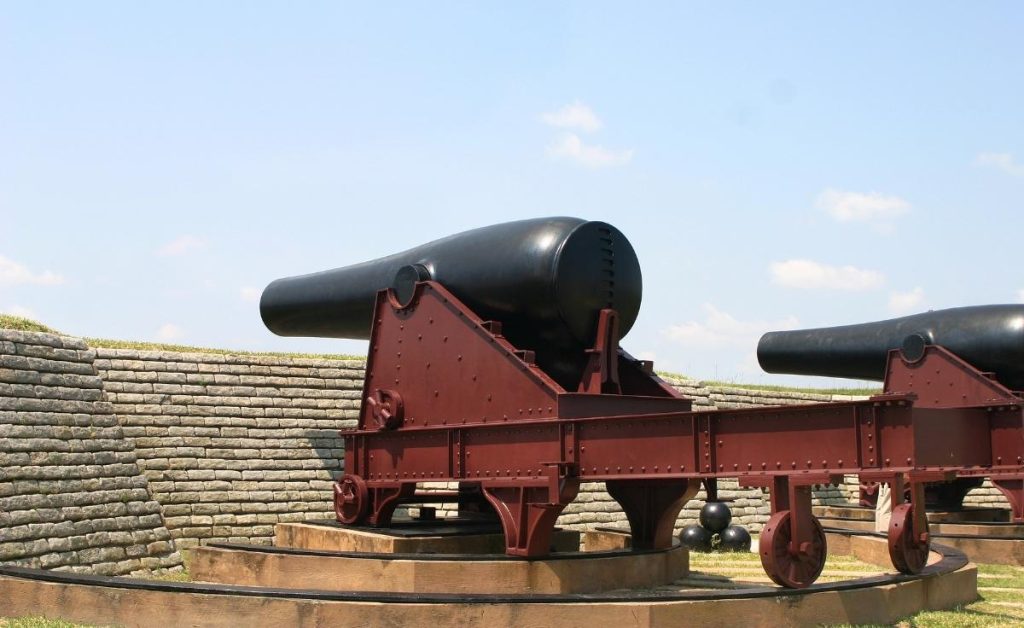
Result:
{"points": [[249, 294], [570, 146], [13, 273], [181, 245], [721, 329], [805, 273], [169, 332], [857, 207], [1020, 296], [574, 116], [18, 310], [1000, 161], [905, 302]]}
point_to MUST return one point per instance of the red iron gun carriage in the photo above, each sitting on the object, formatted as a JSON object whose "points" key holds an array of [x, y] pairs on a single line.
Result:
{"points": [[494, 362]]}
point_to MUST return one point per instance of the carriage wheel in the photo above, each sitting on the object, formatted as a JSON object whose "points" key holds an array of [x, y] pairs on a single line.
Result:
{"points": [[909, 554], [794, 570], [351, 499]]}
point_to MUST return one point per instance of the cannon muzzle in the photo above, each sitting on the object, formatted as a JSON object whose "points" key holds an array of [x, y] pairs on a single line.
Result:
{"points": [[989, 337], [545, 279]]}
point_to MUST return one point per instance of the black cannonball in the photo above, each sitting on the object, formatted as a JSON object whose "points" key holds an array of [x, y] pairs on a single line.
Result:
{"points": [[696, 538], [734, 539], [715, 516]]}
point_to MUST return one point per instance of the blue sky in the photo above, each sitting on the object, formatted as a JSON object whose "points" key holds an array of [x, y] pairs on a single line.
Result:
{"points": [[777, 166]]}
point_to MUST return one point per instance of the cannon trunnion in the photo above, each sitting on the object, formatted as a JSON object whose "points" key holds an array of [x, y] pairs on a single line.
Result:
{"points": [[450, 396]]}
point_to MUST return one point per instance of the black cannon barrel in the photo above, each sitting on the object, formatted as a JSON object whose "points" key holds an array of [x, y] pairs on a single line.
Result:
{"points": [[545, 279], [989, 337]]}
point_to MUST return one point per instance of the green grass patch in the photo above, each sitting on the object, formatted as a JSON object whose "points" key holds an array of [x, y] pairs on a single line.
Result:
{"points": [[1000, 582], [40, 622], [20, 323], [796, 389], [172, 576], [1001, 570], [107, 343], [774, 388], [1011, 595], [176, 576]]}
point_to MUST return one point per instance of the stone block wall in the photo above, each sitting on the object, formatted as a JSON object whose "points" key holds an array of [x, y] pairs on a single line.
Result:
{"points": [[233, 444], [72, 496]]}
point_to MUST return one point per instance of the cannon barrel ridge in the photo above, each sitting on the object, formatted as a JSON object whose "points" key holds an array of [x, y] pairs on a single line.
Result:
{"points": [[989, 337], [545, 279]]}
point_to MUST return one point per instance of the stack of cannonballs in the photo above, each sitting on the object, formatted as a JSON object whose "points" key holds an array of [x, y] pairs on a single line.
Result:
{"points": [[714, 531]]}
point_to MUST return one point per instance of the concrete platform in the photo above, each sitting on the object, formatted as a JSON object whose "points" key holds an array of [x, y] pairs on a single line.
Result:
{"points": [[592, 572], [996, 543], [947, 582], [407, 538], [967, 515], [139, 603]]}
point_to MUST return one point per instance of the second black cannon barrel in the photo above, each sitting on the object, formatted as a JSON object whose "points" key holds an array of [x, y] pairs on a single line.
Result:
{"points": [[989, 337]]}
